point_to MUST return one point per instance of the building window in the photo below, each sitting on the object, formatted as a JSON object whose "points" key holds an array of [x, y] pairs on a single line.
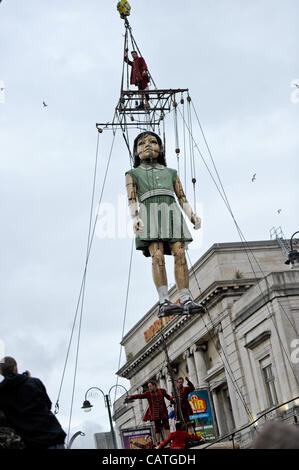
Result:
{"points": [[270, 384]]}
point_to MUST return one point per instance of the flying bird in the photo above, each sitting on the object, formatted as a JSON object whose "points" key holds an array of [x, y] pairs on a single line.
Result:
{"points": [[296, 85], [279, 211], [253, 178], [45, 105]]}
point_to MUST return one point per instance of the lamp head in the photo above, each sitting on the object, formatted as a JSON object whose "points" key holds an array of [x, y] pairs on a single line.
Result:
{"points": [[86, 406]]}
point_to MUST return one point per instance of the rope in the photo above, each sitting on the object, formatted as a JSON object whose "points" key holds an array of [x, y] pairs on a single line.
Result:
{"points": [[192, 158], [135, 46], [246, 248], [177, 145], [82, 288], [82, 284], [251, 424], [123, 68], [229, 208], [184, 140], [225, 199], [125, 312], [227, 368]]}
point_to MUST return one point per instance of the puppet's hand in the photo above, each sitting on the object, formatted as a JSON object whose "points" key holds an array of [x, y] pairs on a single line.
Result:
{"points": [[144, 73], [196, 220], [138, 225]]}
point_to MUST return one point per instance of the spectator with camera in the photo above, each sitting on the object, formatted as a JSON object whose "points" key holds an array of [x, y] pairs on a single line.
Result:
{"points": [[27, 408]]}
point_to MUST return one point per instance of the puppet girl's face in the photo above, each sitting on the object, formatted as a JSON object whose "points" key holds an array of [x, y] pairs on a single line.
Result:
{"points": [[148, 147]]}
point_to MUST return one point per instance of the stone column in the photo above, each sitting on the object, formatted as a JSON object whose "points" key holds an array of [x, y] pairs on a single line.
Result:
{"points": [[191, 367], [159, 379], [218, 412], [168, 383], [200, 364], [229, 374]]}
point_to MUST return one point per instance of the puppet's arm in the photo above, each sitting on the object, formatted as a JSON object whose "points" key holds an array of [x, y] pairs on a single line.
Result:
{"points": [[133, 204], [126, 58], [179, 191]]}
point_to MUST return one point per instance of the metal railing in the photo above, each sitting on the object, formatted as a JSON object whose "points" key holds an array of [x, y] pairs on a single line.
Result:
{"points": [[232, 434]]}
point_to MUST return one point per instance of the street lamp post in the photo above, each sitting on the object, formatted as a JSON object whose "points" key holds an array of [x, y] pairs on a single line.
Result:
{"points": [[79, 433], [87, 407]]}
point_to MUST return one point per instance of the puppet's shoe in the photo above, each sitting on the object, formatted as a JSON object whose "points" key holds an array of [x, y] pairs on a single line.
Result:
{"points": [[167, 309], [192, 308]]}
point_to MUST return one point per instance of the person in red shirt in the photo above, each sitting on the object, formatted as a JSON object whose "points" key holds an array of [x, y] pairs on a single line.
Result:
{"points": [[157, 410], [179, 437], [139, 75], [183, 393]]}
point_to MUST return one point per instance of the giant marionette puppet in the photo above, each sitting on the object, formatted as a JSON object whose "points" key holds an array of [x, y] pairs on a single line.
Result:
{"points": [[158, 222]]}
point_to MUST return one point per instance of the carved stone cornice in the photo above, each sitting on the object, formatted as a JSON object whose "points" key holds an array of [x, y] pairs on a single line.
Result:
{"points": [[159, 375], [187, 353], [258, 340], [218, 329], [202, 347]]}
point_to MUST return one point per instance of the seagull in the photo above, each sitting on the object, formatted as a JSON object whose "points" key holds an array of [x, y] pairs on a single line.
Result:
{"points": [[253, 178], [279, 211], [45, 105]]}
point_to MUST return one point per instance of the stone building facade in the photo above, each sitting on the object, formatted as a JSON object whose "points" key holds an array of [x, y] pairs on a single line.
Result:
{"points": [[244, 349]]}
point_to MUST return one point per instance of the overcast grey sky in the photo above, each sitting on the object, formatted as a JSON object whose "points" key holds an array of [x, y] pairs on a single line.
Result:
{"points": [[237, 58]]}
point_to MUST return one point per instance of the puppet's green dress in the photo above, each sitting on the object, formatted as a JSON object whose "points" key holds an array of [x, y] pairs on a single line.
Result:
{"points": [[159, 211]]}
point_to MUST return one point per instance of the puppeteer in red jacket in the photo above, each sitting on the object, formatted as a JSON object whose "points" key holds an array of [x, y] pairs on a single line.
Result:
{"points": [[183, 393], [139, 72], [179, 438], [157, 411]]}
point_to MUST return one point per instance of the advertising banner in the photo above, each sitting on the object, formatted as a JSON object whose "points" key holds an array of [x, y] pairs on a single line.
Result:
{"points": [[202, 416], [134, 438]]}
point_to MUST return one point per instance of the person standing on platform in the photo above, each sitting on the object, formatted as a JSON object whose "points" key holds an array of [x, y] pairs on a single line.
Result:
{"points": [[139, 76], [183, 393], [157, 411]]}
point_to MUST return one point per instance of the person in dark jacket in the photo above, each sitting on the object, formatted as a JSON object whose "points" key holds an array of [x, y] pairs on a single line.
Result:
{"points": [[9, 439], [27, 408]]}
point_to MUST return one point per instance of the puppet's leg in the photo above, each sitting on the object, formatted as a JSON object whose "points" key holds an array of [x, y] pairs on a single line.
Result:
{"points": [[182, 279], [166, 308], [181, 273]]}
